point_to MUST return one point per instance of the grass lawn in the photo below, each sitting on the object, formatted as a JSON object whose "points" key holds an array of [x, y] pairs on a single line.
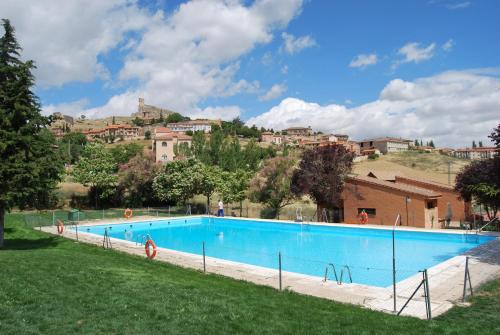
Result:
{"points": [[49, 285]]}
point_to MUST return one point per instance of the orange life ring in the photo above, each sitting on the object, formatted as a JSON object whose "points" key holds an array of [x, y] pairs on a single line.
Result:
{"points": [[128, 213], [150, 244], [60, 226], [363, 217]]}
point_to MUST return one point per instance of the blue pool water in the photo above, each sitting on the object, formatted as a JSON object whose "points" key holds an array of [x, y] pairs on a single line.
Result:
{"points": [[306, 249]]}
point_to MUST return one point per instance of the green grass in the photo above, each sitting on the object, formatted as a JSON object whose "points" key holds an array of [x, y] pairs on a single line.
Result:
{"points": [[49, 285]]}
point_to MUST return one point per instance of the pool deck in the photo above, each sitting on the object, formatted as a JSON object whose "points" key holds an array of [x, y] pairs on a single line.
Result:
{"points": [[445, 279]]}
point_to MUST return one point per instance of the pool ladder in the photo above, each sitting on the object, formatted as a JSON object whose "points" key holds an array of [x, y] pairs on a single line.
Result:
{"points": [[334, 270], [143, 239]]}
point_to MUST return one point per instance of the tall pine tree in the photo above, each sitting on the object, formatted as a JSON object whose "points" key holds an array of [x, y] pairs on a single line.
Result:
{"points": [[30, 165]]}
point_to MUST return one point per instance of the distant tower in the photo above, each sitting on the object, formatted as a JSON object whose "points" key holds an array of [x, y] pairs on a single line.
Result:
{"points": [[141, 104]]}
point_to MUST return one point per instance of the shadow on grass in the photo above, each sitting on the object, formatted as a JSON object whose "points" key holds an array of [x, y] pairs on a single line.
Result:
{"points": [[28, 244]]}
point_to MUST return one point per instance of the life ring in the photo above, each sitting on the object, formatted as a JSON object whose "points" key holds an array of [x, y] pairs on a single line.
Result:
{"points": [[129, 235], [60, 226], [363, 217], [128, 213], [150, 244]]}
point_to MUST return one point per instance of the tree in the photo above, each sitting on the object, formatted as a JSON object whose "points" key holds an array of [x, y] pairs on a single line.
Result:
{"points": [[431, 144], [113, 120], [72, 145], [135, 179], [416, 143], [321, 174], [474, 144], [96, 168], [272, 185], [147, 135], [30, 164], [480, 144], [495, 136], [234, 186], [175, 118], [480, 180], [138, 122], [208, 180], [82, 116], [175, 183], [124, 152]]}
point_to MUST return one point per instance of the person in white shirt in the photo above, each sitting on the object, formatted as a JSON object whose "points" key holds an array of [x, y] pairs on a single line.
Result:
{"points": [[220, 212]]}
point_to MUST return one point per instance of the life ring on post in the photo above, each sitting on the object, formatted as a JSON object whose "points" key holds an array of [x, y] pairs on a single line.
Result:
{"points": [[150, 244], [60, 226], [128, 213], [363, 217]]}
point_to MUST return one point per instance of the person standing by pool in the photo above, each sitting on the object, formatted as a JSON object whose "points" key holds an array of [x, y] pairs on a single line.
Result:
{"points": [[220, 212]]}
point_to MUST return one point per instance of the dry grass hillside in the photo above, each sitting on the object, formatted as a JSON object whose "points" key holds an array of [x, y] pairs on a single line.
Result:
{"points": [[87, 124], [431, 166]]}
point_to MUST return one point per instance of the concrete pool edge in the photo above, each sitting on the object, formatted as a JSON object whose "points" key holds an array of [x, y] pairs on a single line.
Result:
{"points": [[445, 279]]}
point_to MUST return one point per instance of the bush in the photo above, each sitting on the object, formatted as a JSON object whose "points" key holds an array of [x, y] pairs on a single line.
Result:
{"points": [[373, 156], [268, 213]]}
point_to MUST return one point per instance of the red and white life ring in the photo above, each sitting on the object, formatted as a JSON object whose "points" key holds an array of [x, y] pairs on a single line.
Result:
{"points": [[363, 217], [150, 244], [128, 213]]}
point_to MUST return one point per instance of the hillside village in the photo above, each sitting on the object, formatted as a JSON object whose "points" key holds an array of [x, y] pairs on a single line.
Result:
{"points": [[164, 131]]}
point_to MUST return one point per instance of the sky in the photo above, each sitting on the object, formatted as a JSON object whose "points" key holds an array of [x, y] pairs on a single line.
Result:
{"points": [[426, 69]]}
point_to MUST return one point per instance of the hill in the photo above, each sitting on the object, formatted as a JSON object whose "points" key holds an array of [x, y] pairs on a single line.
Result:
{"points": [[414, 164]]}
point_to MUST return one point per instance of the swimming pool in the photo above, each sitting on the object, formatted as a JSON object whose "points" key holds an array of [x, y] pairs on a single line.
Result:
{"points": [[305, 249]]}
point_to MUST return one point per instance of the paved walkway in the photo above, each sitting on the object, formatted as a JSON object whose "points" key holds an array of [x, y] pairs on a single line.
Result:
{"points": [[445, 279]]}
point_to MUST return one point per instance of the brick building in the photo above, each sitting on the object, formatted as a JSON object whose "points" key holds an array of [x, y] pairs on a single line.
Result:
{"points": [[383, 201], [385, 145], [164, 142], [460, 209], [268, 137], [475, 153]]}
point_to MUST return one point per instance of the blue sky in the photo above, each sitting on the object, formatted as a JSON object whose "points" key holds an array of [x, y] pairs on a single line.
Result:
{"points": [[415, 69]]}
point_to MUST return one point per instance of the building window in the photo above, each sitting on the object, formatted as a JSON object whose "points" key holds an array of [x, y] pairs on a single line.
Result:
{"points": [[163, 144], [431, 204], [370, 211], [164, 158]]}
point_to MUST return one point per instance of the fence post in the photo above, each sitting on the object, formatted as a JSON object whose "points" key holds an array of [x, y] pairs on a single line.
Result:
{"points": [[279, 265], [467, 278], [53, 217], [204, 262], [427, 295]]}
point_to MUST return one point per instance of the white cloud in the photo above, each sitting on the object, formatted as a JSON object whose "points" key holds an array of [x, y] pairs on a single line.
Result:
{"points": [[274, 92], [448, 45], [460, 5], [284, 69], [187, 57], [226, 113], [293, 45], [452, 108], [174, 60], [267, 58], [65, 38], [73, 108], [363, 61], [415, 53]]}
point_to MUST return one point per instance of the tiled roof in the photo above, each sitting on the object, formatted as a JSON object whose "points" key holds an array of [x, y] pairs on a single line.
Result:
{"points": [[481, 149], [387, 139], [401, 179], [395, 186], [172, 135]]}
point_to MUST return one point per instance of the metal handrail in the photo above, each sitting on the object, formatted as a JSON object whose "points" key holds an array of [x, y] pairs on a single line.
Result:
{"points": [[342, 274], [485, 225], [298, 215], [334, 273]]}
